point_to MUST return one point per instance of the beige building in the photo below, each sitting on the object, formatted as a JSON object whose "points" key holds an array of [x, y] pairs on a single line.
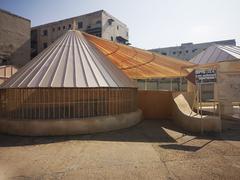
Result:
{"points": [[14, 39], [98, 23]]}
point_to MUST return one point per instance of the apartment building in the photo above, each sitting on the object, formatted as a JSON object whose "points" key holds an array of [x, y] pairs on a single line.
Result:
{"points": [[99, 23]]}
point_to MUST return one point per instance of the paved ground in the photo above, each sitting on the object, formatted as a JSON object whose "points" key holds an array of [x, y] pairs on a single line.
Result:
{"points": [[150, 150]]}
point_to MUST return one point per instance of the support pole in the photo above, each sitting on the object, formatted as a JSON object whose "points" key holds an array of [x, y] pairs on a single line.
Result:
{"points": [[200, 98], [180, 88], [145, 84]]}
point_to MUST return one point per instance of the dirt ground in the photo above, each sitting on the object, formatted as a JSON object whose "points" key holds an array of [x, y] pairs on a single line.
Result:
{"points": [[150, 150]]}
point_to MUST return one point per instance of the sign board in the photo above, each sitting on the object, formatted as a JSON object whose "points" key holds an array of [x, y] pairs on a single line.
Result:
{"points": [[205, 76], [191, 77]]}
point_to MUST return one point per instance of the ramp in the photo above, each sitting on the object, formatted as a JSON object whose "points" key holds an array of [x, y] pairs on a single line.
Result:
{"points": [[189, 120]]}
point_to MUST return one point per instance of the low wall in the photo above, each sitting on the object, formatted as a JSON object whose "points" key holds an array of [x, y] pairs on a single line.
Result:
{"points": [[177, 107], [155, 104], [184, 117], [44, 127]]}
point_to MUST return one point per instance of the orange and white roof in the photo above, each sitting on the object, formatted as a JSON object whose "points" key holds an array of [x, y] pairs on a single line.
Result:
{"points": [[71, 61], [139, 63]]}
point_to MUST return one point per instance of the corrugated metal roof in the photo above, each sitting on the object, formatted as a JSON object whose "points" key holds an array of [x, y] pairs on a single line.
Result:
{"points": [[217, 53], [71, 61], [138, 63]]}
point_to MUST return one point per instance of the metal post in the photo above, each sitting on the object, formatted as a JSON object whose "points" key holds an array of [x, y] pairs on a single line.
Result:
{"points": [[180, 88], [145, 84], [197, 99], [219, 108], [200, 97]]}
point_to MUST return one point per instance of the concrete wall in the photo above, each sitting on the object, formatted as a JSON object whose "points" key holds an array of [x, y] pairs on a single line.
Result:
{"points": [[117, 28], [76, 126], [14, 39], [155, 104], [228, 86], [158, 105]]}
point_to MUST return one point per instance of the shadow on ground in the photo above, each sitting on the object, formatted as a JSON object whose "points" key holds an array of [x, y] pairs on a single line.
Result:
{"points": [[149, 131], [145, 131], [183, 147], [180, 147]]}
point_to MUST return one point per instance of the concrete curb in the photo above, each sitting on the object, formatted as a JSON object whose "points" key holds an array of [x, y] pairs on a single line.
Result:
{"points": [[46, 127]]}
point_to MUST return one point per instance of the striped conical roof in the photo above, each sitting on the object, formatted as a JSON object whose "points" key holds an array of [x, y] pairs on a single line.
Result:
{"points": [[217, 53], [71, 61]]}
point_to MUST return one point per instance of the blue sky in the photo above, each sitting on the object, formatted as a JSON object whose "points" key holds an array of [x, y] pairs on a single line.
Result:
{"points": [[152, 23]]}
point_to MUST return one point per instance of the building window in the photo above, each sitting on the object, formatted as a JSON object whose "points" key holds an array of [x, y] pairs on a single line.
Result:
{"points": [[180, 52], [63, 27], [69, 26], [127, 34], [45, 32], [194, 50], [111, 38], [163, 53], [98, 22], [59, 28], [117, 27], [89, 26], [174, 52], [186, 51], [80, 25], [45, 45], [110, 21], [53, 29], [98, 34]]}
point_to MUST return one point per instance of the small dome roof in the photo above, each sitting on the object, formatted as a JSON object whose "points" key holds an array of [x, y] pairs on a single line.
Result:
{"points": [[71, 61]]}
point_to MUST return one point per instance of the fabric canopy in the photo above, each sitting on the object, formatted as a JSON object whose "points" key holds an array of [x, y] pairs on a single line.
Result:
{"points": [[138, 63]]}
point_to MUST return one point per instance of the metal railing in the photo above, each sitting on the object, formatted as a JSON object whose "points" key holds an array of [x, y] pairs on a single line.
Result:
{"points": [[65, 103]]}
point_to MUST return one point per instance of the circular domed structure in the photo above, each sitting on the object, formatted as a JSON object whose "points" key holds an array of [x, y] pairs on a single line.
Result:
{"points": [[69, 88]]}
